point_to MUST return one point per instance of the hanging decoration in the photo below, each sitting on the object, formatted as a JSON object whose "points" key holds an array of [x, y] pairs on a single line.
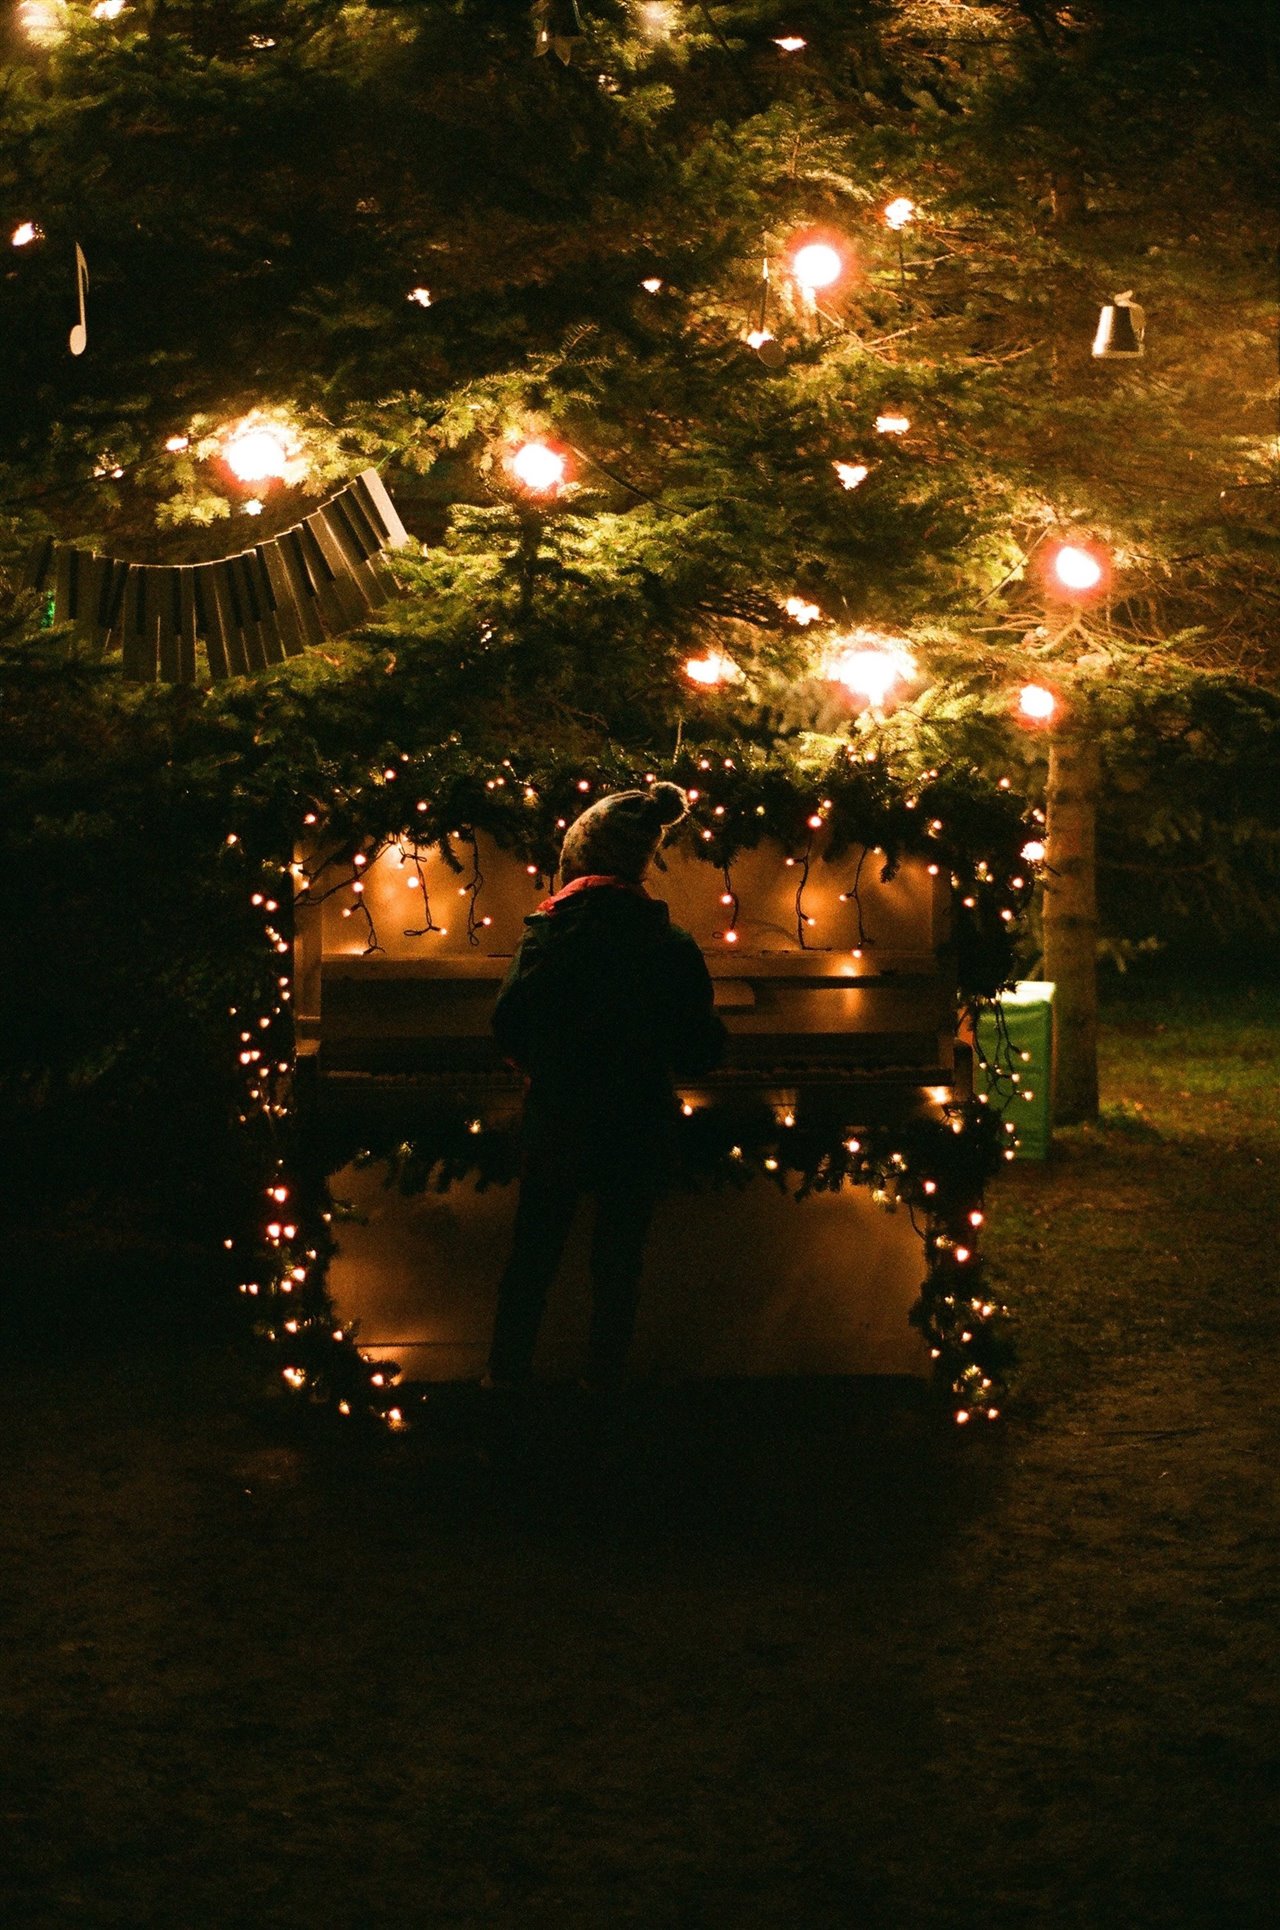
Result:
{"points": [[557, 28], [78, 340], [250, 610], [1122, 326]]}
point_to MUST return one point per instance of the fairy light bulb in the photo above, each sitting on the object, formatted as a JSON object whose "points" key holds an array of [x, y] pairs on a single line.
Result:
{"points": [[1076, 568], [1036, 703], [893, 425], [1033, 851], [24, 234], [816, 265], [899, 212], [870, 671], [256, 451], [42, 21], [851, 473], [711, 669], [109, 9], [538, 467], [790, 43], [804, 613]]}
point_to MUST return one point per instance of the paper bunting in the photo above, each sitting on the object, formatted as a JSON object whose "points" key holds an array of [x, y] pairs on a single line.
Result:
{"points": [[267, 603]]}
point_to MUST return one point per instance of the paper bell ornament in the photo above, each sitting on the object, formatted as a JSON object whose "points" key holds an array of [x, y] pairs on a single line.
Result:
{"points": [[1121, 327], [557, 28]]}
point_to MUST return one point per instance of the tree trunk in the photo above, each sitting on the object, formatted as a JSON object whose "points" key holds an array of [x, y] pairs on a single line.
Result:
{"points": [[1071, 924]]}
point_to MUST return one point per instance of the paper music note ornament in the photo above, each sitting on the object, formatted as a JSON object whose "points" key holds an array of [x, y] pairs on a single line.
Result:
{"points": [[78, 340]]}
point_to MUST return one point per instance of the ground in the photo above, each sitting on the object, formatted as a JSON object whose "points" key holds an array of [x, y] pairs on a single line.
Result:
{"points": [[803, 1660]]}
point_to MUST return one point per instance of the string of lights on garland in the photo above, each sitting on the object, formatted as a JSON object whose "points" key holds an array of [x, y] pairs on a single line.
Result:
{"points": [[975, 832]]}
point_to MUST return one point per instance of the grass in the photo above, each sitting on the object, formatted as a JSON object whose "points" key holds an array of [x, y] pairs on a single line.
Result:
{"points": [[798, 1661]]}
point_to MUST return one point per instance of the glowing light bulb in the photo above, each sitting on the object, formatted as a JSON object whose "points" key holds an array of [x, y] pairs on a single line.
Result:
{"points": [[892, 425], [899, 212], [176, 444], [757, 337], [816, 265], [790, 43], [1033, 852], [657, 18], [870, 669], [42, 21], [253, 507], [652, 285], [259, 450], [1076, 568], [540, 468], [711, 669], [1037, 703], [25, 233], [422, 297], [851, 473], [804, 613], [109, 9]]}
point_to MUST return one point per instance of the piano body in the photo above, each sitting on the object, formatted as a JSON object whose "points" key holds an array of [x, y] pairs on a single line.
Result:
{"points": [[840, 1003]]}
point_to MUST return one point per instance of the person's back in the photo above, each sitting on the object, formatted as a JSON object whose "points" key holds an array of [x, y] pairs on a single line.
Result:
{"points": [[606, 1001]]}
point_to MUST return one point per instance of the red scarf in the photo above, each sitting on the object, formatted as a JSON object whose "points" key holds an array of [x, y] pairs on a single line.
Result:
{"points": [[590, 883]]}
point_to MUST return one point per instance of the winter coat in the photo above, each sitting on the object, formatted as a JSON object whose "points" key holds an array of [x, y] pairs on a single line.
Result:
{"points": [[606, 1000]]}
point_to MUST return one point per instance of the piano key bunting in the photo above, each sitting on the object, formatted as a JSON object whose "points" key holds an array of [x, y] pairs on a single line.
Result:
{"points": [[239, 614]]}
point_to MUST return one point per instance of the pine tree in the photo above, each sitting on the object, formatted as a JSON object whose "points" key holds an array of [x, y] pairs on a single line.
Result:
{"points": [[401, 233]]}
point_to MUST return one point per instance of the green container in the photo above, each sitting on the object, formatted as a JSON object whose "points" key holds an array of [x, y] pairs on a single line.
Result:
{"points": [[1023, 1044]]}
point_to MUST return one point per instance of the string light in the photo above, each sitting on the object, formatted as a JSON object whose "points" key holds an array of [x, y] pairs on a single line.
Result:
{"points": [[25, 233], [652, 285], [109, 9], [1036, 703], [790, 43], [711, 669], [816, 265], [260, 449], [851, 474], [869, 666], [1076, 569], [803, 613], [420, 296], [893, 425], [538, 467], [42, 21], [899, 212]]}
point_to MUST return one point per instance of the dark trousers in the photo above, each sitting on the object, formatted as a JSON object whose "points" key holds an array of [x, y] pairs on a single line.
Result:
{"points": [[549, 1197]]}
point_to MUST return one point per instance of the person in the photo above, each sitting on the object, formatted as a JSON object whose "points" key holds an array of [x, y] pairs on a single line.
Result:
{"points": [[605, 1001]]}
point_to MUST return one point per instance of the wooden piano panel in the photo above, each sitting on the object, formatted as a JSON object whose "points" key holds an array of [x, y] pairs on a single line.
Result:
{"points": [[908, 915]]}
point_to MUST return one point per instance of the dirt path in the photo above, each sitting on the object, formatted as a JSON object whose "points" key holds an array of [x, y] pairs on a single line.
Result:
{"points": [[798, 1662]]}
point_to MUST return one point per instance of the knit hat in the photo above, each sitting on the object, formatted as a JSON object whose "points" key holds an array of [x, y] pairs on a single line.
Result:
{"points": [[619, 836]]}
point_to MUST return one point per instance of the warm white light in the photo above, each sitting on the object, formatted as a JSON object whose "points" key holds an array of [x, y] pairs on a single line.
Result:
{"points": [[657, 18], [852, 473], [538, 467], [899, 212], [757, 337], [652, 285], [711, 669], [869, 670], [804, 613], [1033, 852], [422, 296], [176, 444], [109, 9], [790, 43], [253, 507], [1036, 702], [892, 425], [1076, 568], [258, 450], [816, 265], [42, 21], [24, 234]]}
